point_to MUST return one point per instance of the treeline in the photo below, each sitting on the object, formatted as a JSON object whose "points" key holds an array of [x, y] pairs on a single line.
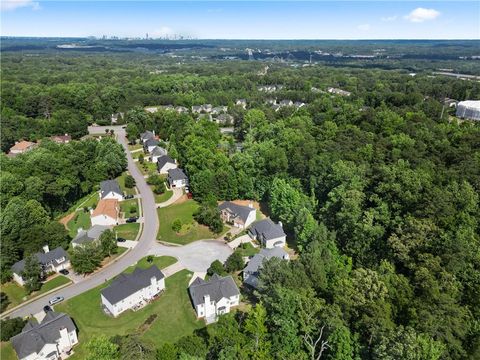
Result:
{"points": [[41, 184]]}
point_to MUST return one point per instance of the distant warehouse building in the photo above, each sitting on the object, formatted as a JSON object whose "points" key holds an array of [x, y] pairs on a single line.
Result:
{"points": [[469, 109]]}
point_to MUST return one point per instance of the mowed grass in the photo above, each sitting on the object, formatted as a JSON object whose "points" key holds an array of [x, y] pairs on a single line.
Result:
{"points": [[127, 206], [160, 261], [175, 315], [135, 147], [163, 197], [121, 182], [127, 231], [17, 294], [80, 220], [191, 230], [147, 168], [7, 352]]}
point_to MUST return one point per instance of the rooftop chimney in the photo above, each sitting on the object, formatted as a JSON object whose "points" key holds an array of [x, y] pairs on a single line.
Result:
{"points": [[280, 223], [46, 249]]}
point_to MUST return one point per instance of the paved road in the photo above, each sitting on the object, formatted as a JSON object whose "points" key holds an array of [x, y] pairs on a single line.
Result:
{"points": [[196, 256]]}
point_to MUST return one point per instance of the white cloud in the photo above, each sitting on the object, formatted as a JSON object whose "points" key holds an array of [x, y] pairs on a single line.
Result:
{"points": [[421, 14], [10, 5], [164, 31], [389, 18], [363, 27]]}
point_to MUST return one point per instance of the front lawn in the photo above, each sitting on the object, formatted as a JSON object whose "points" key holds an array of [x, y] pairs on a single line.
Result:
{"points": [[121, 182], [147, 168], [7, 352], [135, 147], [162, 197], [191, 230], [16, 293], [80, 220], [127, 231], [247, 249], [161, 261], [175, 315], [129, 208]]}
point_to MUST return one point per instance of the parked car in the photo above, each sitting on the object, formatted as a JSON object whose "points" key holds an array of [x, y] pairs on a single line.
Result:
{"points": [[47, 308], [131, 219], [128, 197], [121, 239], [56, 300], [64, 272]]}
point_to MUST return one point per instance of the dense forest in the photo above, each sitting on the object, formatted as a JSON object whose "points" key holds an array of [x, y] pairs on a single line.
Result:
{"points": [[378, 192]]}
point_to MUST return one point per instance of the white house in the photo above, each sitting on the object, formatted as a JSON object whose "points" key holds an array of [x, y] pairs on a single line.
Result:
{"points": [[238, 215], [147, 135], [156, 153], [176, 178], [50, 339], [214, 297], [130, 291], [109, 189], [268, 233], [87, 236], [254, 266], [106, 213], [165, 163], [242, 103], [49, 261], [150, 144]]}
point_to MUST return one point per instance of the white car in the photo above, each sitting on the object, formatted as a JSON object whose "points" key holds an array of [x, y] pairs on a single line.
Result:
{"points": [[56, 300]]}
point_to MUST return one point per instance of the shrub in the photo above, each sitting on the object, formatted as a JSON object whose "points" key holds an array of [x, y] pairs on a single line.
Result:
{"points": [[133, 209], [160, 188], [11, 327], [141, 159], [129, 181], [234, 262], [216, 268], [150, 258], [154, 180], [4, 301], [176, 225]]}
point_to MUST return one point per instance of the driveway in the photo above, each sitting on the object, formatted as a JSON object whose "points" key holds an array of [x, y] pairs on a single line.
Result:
{"points": [[177, 194]]}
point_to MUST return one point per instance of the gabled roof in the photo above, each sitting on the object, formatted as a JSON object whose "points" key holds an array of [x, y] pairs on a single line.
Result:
{"points": [[125, 285], [217, 288], [147, 135], [236, 210], [158, 151], [107, 207], [266, 229], [22, 145], [162, 160], [151, 142], [109, 185], [34, 337], [176, 174], [91, 234], [44, 259], [256, 262]]}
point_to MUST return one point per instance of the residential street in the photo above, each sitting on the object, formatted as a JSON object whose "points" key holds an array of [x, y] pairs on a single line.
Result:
{"points": [[196, 256]]}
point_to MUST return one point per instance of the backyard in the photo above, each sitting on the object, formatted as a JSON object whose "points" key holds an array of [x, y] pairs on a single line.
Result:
{"points": [[127, 231], [190, 230], [16, 293], [175, 315], [121, 182], [81, 219]]}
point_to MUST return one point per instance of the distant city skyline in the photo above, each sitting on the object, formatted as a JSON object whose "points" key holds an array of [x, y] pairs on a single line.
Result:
{"points": [[243, 20]]}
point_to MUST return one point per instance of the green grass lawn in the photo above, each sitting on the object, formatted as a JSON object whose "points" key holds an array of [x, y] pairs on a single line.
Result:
{"points": [[127, 231], [176, 317], [191, 230], [121, 182], [137, 154], [6, 351], [80, 220], [16, 293], [125, 208], [163, 197], [247, 249], [161, 261], [147, 168], [135, 147], [89, 200]]}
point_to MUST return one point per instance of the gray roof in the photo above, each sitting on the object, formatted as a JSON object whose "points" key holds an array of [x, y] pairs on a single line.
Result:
{"points": [[109, 185], [176, 174], [266, 229], [158, 151], [151, 142], [147, 135], [91, 234], [44, 259], [256, 262], [35, 336], [217, 287], [125, 285], [162, 160], [236, 210]]}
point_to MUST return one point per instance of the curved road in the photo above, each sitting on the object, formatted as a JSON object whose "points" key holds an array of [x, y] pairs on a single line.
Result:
{"points": [[196, 256]]}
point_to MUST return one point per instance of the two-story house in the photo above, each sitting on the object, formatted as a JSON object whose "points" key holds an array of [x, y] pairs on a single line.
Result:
{"points": [[238, 215], [268, 233]]}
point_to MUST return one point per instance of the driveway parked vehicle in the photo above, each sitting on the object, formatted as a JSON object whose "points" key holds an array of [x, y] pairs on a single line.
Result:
{"points": [[64, 272], [128, 197], [47, 308], [131, 219], [121, 240], [56, 300]]}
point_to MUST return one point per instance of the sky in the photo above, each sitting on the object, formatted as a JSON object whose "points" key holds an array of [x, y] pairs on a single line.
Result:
{"points": [[243, 20]]}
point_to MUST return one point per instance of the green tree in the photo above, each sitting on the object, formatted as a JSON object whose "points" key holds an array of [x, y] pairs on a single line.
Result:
{"points": [[216, 268], [129, 182], [108, 243], [11, 327], [234, 262], [101, 348], [4, 301], [177, 225], [32, 274], [86, 259], [256, 329], [167, 351]]}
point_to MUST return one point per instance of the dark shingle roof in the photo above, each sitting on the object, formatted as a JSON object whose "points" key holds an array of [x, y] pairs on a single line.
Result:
{"points": [[109, 185], [43, 259], [89, 235], [217, 287], [256, 262], [266, 229], [162, 160], [158, 151], [34, 336], [125, 285], [147, 135], [236, 210], [176, 174], [151, 142]]}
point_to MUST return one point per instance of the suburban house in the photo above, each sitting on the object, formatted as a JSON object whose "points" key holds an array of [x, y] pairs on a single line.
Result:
{"points": [[61, 139], [50, 261], [271, 101], [242, 103], [156, 153], [165, 163], [87, 236], [109, 189], [197, 109], [176, 178], [132, 291], [268, 233], [214, 297], [21, 147], [106, 213], [336, 91], [151, 109], [147, 135], [205, 117], [181, 110], [238, 215], [149, 145], [286, 103], [224, 119], [298, 104], [254, 266], [219, 110], [207, 107], [168, 108], [51, 339]]}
